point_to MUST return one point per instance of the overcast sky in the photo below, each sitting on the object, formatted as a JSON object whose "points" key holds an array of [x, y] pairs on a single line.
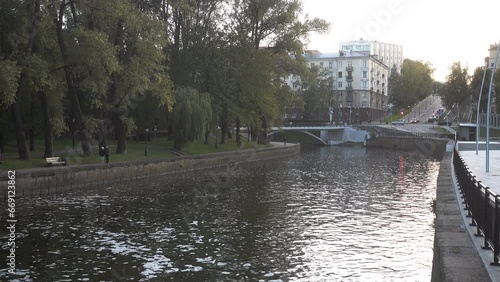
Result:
{"points": [[437, 31]]}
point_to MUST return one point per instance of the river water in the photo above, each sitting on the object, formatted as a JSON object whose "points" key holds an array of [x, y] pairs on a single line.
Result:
{"points": [[328, 214]]}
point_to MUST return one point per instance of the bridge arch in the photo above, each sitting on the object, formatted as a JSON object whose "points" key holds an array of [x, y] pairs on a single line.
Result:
{"points": [[304, 132]]}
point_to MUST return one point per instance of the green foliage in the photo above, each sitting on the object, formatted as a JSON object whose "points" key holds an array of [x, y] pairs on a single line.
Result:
{"points": [[192, 110], [412, 85], [9, 76], [456, 89], [475, 85]]}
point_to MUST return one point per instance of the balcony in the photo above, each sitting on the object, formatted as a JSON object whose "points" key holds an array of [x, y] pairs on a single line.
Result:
{"points": [[349, 68], [349, 77], [348, 88]]}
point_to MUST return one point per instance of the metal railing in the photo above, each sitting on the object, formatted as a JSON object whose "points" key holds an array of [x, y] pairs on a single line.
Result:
{"points": [[404, 134], [482, 205]]}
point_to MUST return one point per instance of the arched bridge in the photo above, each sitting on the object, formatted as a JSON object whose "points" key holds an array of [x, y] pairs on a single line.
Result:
{"points": [[325, 135]]}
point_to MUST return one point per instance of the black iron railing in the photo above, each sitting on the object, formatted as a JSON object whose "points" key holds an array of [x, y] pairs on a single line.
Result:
{"points": [[482, 205], [405, 134]]}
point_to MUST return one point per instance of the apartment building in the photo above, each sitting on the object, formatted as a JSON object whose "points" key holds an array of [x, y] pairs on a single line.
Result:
{"points": [[359, 91]]}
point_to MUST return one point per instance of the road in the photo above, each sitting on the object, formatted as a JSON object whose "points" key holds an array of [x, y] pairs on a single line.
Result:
{"points": [[421, 112]]}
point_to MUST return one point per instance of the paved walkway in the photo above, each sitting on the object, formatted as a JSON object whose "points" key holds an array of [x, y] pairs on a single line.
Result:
{"points": [[455, 256], [477, 164]]}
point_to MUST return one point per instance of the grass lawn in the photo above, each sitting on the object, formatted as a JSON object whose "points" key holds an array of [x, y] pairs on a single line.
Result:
{"points": [[157, 148]]}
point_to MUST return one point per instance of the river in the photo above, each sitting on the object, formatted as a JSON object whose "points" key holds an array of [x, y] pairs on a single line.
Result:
{"points": [[328, 214]]}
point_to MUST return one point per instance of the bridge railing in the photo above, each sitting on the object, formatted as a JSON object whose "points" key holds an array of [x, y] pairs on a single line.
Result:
{"points": [[404, 134], [482, 205]]}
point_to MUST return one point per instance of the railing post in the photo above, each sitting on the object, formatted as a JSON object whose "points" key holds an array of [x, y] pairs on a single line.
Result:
{"points": [[496, 232], [485, 204]]}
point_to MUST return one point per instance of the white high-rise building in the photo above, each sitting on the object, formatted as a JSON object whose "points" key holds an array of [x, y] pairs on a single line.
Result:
{"points": [[491, 58], [389, 54]]}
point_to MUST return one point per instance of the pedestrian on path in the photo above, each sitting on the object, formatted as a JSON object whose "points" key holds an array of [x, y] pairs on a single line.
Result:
{"points": [[101, 154], [106, 153]]}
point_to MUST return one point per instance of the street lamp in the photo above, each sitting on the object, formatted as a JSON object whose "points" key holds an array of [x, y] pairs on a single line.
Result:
{"points": [[216, 138], [73, 128], [146, 148]]}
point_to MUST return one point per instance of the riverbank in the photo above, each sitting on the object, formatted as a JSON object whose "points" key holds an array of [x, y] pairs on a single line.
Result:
{"points": [[455, 256], [39, 181]]}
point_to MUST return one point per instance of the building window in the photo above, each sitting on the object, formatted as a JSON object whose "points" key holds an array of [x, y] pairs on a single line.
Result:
{"points": [[321, 64], [364, 84], [340, 74], [330, 65], [365, 74], [363, 104], [365, 63], [340, 64], [349, 84], [340, 84]]}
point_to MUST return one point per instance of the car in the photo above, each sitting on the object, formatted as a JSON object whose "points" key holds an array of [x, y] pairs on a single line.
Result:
{"points": [[414, 120], [398, 122], [444, 122], [432, 119]]}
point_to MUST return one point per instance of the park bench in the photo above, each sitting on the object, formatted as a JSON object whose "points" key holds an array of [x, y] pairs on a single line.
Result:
{"points": [[55, 161]]}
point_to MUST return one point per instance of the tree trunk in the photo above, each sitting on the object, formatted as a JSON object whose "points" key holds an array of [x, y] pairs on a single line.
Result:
{"points": [[47, 126], [238, 137], [72, 88], [22, 145], [32, 129], [263, 133], [223, 130], [207, 133], [121, 133]]}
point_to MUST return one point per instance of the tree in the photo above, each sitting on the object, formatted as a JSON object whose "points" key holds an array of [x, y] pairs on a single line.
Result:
{"points": [[191, 112], [456, 89], [475, 86], [274, 28], [413, 85], [316, 94]]}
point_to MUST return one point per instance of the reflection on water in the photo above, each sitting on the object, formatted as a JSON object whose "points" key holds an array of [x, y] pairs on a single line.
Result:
{"points": [[330, 214]]}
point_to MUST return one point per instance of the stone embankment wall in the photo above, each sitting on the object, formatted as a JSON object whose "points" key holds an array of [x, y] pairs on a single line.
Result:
{"points": [[455, 256], [429, 146], [56, 179]]}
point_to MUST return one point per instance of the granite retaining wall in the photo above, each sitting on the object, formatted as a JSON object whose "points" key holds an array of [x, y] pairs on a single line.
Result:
{"points": [[55, 179]]}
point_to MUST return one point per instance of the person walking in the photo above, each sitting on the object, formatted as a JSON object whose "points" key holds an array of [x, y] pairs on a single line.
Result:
{"points": [[106, 153], [101, 154]]}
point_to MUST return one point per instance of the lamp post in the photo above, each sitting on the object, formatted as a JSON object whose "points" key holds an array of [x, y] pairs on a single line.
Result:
{"points": [[330, 110], [216, 137], [73, 129], [488, 110], [478, 106], [147, 137]]}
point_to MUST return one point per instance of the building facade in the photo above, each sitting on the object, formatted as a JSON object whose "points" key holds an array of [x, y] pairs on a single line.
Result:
{"points": [[359, 90], [389, 54], [493, 53]]}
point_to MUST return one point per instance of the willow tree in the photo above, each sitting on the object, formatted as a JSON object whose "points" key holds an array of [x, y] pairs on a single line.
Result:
{"points": [[191, 112]]}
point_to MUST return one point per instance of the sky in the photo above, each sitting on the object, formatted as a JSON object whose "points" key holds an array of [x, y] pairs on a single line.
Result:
{"points": [[436, 31]]}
